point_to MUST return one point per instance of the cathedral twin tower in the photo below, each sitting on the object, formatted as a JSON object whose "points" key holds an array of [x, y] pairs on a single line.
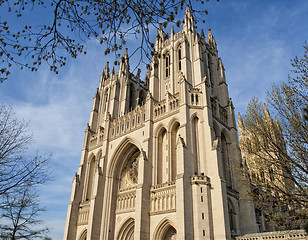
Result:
{"points": [[159, 156]]}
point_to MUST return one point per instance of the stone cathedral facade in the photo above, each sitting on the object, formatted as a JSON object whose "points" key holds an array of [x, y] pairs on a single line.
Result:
{"points": [[158, 154]]}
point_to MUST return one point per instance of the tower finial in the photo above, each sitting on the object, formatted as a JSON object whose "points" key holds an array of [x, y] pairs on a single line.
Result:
{"points": [[210, 39], [240, 122], [106, 71], [124, 64], [188, 20]]}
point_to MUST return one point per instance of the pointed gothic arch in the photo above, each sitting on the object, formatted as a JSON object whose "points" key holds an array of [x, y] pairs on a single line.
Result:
{"points": [[161, 156], [174, 132], [119, 160], [127, 230], [216, 130], [225, 160], [131, 97], [196, 143], [105, 99], [117, 157], [83, 235], [90, 177], [167, 64], [232, 216], [165, 230]]}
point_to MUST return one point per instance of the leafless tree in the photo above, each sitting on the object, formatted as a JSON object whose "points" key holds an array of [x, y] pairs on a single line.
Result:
{"points": [[20, 174], [17, 169], [19, 216]]}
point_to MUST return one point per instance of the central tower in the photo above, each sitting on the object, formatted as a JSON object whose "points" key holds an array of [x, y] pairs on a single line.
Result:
{"points": [[159, 155]]}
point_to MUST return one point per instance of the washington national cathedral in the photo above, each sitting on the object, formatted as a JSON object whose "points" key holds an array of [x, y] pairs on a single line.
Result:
{"points": [[158, 154]]}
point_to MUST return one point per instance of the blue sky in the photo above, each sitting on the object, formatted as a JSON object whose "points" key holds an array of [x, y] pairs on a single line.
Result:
{"points": [[256, 40]]}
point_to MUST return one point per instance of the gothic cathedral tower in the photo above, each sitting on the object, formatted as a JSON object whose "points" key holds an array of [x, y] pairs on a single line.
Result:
{"points": [[158, 154]]}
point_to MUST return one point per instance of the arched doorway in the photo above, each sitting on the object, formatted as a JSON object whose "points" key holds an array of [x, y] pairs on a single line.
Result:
{"points": [[165, 231], [127, 230], [120, 186], [170, 234]]}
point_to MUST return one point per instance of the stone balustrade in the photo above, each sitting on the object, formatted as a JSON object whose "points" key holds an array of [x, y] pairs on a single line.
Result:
{"points": [[291, 234], [163, 108], [163, 198], [160, 109], [83, 215], [126, 201], [128, 122]]}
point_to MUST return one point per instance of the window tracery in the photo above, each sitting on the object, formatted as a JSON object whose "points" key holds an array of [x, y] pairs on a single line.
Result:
{"points": [[129, 174]]}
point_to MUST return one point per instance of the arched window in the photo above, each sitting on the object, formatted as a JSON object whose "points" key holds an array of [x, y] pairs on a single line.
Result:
{"points": [[129, 173], [127, 230], [141, 98], [196, 145], [162, 157], [173, 160], [105, 100], [225, 161], [167, 65], [179, 58], [131, 97], [232, 219], [91, 167], [83, 235]]}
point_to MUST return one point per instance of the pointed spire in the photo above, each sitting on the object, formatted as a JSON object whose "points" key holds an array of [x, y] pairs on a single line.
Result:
{"points": [[124, 64], [172, 31], [188, 20], [221, 71], [210, 39], [138, 75], [159, 37], [160, 32], [240, 122], [147, 77], [105, 73], [187, 12], [112, 70], [125, 55], [202, 34], [220, 65]]}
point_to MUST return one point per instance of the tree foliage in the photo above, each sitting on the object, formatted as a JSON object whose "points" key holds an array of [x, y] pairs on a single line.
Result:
{"points": [[72, 22], [276, 151]]}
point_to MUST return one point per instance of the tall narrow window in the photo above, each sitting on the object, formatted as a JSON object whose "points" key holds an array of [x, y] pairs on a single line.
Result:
{"points": [[91, 167], [167, 61], [196, 141], [130, 97], [225, 161], [162, 156], [232, 217], [180, 57], [173, 159]]}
